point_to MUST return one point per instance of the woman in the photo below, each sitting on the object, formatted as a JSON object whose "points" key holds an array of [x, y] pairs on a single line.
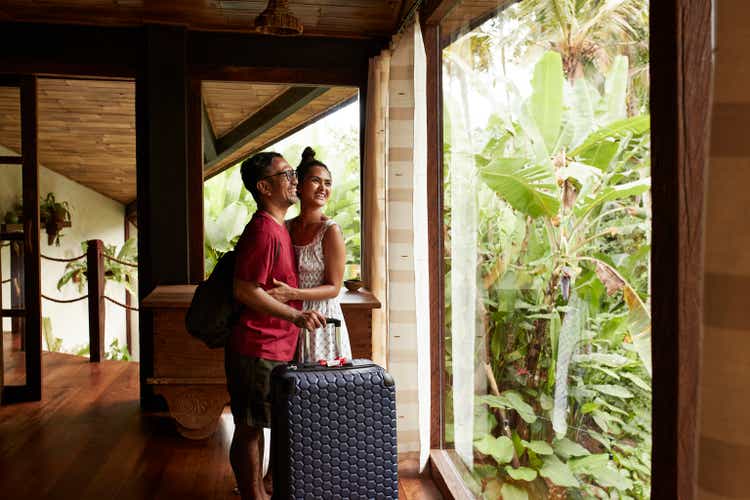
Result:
{"points": [[321, 256]]}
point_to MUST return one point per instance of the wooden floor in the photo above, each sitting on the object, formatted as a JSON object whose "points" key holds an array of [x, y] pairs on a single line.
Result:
{"points": [[88, 439]]}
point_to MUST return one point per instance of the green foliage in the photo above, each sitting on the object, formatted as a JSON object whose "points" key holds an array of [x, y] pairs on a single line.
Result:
{"points": [[563, 248], [54, 344], [52, 214], [117, 352], [76, 272]]}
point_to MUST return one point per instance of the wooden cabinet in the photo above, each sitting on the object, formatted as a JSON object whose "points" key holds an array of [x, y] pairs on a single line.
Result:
{"points": [[190, 376]]}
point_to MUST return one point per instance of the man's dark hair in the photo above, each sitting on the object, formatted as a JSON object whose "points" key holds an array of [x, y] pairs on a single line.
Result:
{"points": [[308, 161], [254, 169]]}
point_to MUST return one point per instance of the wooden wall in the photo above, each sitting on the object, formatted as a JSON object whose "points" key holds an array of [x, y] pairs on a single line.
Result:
{"points": [[724, 448]]}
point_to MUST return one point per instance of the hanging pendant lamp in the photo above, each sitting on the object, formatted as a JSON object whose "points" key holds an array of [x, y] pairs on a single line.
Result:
{"points": [[278, 20]]}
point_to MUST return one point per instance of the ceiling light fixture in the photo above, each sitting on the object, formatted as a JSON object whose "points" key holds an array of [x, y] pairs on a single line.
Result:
{"points": [[278, 20]]}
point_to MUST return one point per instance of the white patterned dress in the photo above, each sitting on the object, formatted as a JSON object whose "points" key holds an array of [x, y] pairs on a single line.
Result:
{"points": [[311, 268]]}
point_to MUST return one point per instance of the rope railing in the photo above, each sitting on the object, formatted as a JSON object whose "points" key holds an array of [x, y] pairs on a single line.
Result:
{"points": [[64, 301], [129, 308], [96, 277], [123, 262], [55, 259], [5, 281]]}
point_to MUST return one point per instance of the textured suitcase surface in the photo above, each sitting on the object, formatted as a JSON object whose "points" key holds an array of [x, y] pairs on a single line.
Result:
{"points": [[334, 433]]}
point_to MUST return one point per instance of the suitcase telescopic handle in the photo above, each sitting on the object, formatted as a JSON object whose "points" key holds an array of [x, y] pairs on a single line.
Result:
{"points": [[304, 348]]}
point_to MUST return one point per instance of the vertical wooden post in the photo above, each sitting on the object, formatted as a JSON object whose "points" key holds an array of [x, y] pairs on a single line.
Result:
{"points": [[128, 300], [32, 285], [17, 294], [162, 173], [95, 264]]}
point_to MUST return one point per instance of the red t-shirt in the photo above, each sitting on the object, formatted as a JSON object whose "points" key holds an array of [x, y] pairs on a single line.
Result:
{"points": [[265, 253]]}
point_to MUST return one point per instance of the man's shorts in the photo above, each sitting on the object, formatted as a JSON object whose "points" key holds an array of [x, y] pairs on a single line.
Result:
{"points": [[249, 385]]}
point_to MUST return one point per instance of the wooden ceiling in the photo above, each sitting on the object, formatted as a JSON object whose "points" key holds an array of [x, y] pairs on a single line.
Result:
{"points": [[247, 117], [86, 132], [87, 127], [343, 18]]}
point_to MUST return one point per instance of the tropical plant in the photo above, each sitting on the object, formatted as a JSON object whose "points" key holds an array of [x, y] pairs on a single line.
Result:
{"points": [[54, 344], [590, 34], [117, 352], [54, 215], [563, 257], [76, 272]]}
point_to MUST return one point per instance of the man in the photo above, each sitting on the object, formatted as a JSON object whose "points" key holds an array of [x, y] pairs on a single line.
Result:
{"points": [[266, 334]]}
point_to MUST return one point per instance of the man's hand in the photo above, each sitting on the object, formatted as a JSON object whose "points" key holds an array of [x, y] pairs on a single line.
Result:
{"points": [[310, 320], [282, 292]]}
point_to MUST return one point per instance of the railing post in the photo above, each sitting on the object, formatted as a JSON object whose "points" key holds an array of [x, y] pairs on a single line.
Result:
{"points": [[95, 275]]}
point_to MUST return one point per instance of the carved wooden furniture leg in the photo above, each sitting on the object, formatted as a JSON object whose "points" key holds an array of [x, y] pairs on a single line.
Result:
{"points": [[196, 408]]}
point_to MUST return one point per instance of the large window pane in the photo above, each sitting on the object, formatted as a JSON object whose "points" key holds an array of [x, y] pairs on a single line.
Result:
{"points": [[547, 248]]}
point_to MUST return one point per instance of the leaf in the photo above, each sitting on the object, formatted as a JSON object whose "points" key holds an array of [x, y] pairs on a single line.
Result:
{"points": [[588, 464], [567, 448], [637, 381], [612, 193], [636, 125], [639, 324], [613, 390], [538, 447], [501, 448], [512, 492], [570, 333], [522, 187], [546, 102], [582, 112], [558, 472], [517, 403], [545, 401], [229, 224], [602, 469], [521, 473], [615, 89], [609, 278], [607, 359]]}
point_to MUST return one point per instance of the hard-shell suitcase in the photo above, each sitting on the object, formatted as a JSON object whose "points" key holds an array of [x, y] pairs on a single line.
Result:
{"points": [[333, 432]]}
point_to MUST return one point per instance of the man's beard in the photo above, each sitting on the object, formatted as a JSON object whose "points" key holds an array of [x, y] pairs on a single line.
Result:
{"points": [[293, 200]]}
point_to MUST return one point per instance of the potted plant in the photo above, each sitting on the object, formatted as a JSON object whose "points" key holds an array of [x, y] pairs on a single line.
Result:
{"points": [[54, 215]]}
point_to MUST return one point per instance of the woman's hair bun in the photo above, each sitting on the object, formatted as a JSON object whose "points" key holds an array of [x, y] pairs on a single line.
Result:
{"points": [[308, 154]]}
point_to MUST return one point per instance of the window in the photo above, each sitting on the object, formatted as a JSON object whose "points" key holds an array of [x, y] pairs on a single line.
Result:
{"points": [[547, 217]]}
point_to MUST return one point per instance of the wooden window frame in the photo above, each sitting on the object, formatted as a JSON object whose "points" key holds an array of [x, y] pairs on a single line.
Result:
{"points": [[681, 70]]}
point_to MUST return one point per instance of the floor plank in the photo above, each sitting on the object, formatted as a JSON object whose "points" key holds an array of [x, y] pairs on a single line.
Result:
{"points": [[87, 439]]}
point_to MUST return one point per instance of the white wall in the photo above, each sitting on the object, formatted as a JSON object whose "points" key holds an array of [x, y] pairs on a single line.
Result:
{"points": [[94, 216]]}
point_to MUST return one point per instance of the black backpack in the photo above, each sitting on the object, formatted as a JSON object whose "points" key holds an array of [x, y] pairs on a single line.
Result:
{"points": [[213, 310]]}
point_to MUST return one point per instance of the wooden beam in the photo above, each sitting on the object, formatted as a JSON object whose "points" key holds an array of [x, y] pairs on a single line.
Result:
{"points": [[162, 179], [32, 331], [131, 212], [10, 81], [681, 78], [433, 11], [66, 49], [209, 139], [268, 116], [431, 36], [321, 54], [197, 144]]}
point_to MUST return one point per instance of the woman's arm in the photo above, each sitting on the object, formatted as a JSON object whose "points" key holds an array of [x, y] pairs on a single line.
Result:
{"points": [[334, 258], [253, 296]]}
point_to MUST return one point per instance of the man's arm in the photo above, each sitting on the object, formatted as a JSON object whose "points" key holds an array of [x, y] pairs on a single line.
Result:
{"points": [[253, 296]]}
